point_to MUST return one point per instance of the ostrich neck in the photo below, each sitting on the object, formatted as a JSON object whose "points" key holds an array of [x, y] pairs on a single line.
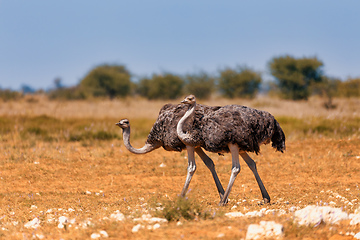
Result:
{"points": [[185, 137], [145, 149]]}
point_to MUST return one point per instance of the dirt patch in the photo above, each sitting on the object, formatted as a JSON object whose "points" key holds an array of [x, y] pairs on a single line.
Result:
{"points": [[96, 181]]}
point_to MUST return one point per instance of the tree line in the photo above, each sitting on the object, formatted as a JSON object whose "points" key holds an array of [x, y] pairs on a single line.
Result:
{"points": [[294, 78]]}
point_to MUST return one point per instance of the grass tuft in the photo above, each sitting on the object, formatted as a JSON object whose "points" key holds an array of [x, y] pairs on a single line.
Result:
{"points": [[185, 208]]}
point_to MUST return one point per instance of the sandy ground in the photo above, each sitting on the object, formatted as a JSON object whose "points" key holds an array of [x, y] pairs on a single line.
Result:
{"points": [[47, 180], [99, 187]]}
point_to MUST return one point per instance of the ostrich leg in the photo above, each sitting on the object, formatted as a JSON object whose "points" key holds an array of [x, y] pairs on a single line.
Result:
{"points": [[252, 166], [210, 164], [234, 149], [190, 170]]}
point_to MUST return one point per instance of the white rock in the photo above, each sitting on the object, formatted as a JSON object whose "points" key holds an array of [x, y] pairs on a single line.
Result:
{"points": [[157, 220], [39, 236], [313, 215], [104, 234], [86, 223], [220, 235], [33, 223], [292, 209], [357, 236], [136, 228], [156, 226], [95, 236], [355, 219], [357, 210], [149, 219], [162, 165], [64, 220], [254, 214], [118, 216], [281, 212], [266, 229], [234, 214]]}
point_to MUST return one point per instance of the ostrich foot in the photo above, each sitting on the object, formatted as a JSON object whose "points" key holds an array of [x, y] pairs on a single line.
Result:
{"points": [[223, 203], [264, 201]]}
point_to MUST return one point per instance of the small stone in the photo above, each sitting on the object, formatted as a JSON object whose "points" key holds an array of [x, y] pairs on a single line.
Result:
{"points": [[355, 219], [71, 210], [357, 236], [136, 228], [104, 234], [63, 219], [266, 229], [39, 236], [156, 226], [220, 235], [95, 236], [118, 216], [33, 223], [234, 214]]}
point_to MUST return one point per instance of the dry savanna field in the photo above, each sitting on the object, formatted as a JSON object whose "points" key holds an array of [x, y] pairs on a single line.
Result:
{"points": [[66, 174]]}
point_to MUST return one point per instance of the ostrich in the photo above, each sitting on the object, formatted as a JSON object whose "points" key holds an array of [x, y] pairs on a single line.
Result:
{"points": [[232, 128], [163, 134]]}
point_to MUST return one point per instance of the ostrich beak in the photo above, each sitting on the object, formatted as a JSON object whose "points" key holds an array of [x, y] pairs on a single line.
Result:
{"points": [[117, 124], [183, 101]]}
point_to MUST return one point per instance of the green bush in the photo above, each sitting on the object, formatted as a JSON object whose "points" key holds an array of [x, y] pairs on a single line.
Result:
{"points": [[201, 85], [164, 86], [295, 77], [241, 82], [349, 88], [107, 80], [7, 95], [71, 93]]}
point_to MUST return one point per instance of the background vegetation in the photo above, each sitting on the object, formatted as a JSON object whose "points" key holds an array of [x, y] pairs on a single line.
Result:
{"points": [[293, 78]]}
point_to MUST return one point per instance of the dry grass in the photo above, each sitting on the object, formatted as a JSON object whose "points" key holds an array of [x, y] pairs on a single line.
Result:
{"points": [[45, 173], [141, 108]]}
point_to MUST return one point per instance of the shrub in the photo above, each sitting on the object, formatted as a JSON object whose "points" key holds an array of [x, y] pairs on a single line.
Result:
{"points": [[165, 86], [185, 208], [7, 95], [295, 77], [200, 84], [107, 80], [241, 82]]}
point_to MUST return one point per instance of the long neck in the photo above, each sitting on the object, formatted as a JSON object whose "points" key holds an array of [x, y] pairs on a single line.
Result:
{"points": [[185, 137], [145, 149]]}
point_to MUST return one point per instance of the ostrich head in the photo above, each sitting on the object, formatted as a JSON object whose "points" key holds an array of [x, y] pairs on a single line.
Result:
{"points": [[189, 100], [124, 123]]}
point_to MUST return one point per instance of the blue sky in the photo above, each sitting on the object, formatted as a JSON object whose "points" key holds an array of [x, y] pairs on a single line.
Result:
{"points": [[41, 40]]}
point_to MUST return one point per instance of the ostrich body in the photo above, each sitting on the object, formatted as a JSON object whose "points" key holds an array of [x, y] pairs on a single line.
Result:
{"points": [[163, 134], [232, 128]]}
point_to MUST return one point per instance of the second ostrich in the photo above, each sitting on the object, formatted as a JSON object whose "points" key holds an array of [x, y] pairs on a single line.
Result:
{"points": [[232, 128]]}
